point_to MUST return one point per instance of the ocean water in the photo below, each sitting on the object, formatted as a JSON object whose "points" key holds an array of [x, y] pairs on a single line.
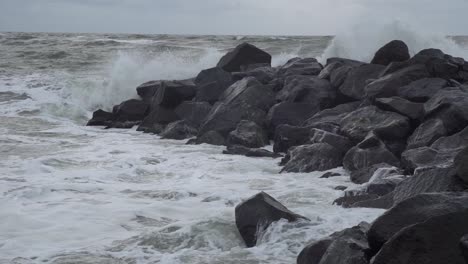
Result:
{"points": [[76, 194]]}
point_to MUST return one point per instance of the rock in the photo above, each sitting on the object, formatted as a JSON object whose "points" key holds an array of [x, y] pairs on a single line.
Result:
{"points": [[172, 93], [329, 68], [158, 115], [214, 75], [307, 66], [307, 89], [348, 201], [210, 92], [383, 202], [427, 133], [248, 134], [461, 163], [412, 211], [313, 253], [315, 157], [154, 129], [257, 213], [387, 125], [341, 143], [287, 136], [130, 110], [464, 247], [244, 54], [247, 99], [249, 152], [264, 74], [422, 90], [338, 76], [179, 130], [395, 50], [148, 89], [330, 175], [288, 113], [251, 67], [210, 137], [414, 111], [101, 118], [194, 113], [358, 78], [370, 151], [389, 84], [332, 115], [426, 180], [340, 188], [123, 125], [434, 241], [364, 174]]}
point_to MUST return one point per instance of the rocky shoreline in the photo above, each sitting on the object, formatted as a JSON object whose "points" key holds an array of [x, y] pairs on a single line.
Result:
{"points": [[398, 125]]}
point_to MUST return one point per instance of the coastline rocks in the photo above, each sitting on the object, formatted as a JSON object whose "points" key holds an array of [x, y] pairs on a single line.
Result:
{"points": [[461, 163], [287, 113], [101, 118], [395, 50], [287, 136], [130, 110], [298, 66], [214, 75], [158, 115], [307, 89], [172, 93], [210, 137], [422, 90], [332, 115], [178, 130], [148, 89], [194, 113], [242, 55], [464, 246], [341, 143], [358, 78], [257, 213], [427, 133], [414, 111], [249, 152], [315, 157], [248, 134], [263, 74], [451, 106]]}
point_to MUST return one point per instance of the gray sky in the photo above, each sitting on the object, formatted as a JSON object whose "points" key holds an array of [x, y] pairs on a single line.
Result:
{"points": [[266, 17]]}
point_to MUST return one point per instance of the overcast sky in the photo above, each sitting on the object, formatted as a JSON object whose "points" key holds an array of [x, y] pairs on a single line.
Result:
{"points": [[265, 17]]}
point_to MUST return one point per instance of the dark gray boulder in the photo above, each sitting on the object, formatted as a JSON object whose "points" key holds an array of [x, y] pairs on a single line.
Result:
{"points": [[422, 90], [158, 115], [193, 113], [244, 54], [287, 136], [328, 69], [298, 66], [210, 137], [179, 130], [434, 241], [332, 115], [248, 134], [364, 174], [464, 247], [307, 89], [263, 74], [148, 89], [172, 93], [130, 110], [287, 113], [387, 125], [395, 50], [101, 118], [369, 152], [257, 213], [341, 143], [216, 75], [250, 152], [461, 163], [210, 92], [314, 157], [313, 253], [247, 99], [414, 111], [358, 78], [427, 133]]}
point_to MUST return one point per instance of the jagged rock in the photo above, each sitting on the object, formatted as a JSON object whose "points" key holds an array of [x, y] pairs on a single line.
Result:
{"points": [[348, 246], [287, 113], [464, 247], [332, 115], [244, 54], [257, 213], [249, 152], [307, 89], [426, 180], [158, 115], [387, 125], [461, 162], [422, 90], [194, 113], [427, 133], [248, 134], [357, 79], [341, 143], [154, 129], [395, 50], [348, 201], [389, 84], [179, 130], [315, 157], [306, 66], [130, 110], [214, 75], [148, 89], [411, 211], [251, 67], [172, 93], [101, 118], [287, 136], [264, 74], [210, 137], [369, 152], [247, 99], [401, 106], [210, 92], [434, 241], [364, 174]]}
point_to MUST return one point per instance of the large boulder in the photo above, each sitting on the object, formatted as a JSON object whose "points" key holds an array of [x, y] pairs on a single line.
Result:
{"points": [[427, 133], [158, 115], [148, 89], [464, 246], [257, 213], [369, 152], [389, 84], [411, 211], [287, 113], [172, 93], [250, 152], [298, 66], [395, 50], [414, 111], [101, 118], [422, 90], [287, 136], [247, 99], [365, 174], [248, 134], [194, 113], [314, 157], [263, 74], [358, 78], [332, 115], [341, 143], [461, 162], [210, 137], [216, 75], [387, 125], [131, 110], [434, 241], [244, 54], [179, 130]]}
